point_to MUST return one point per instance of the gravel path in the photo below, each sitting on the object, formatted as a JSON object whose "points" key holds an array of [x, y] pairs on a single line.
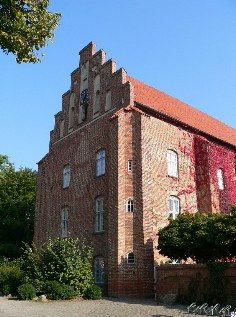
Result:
{"points": [[108, 307]]}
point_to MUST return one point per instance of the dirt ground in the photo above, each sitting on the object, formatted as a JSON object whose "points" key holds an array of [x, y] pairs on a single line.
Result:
{"points": [[108, 307]]}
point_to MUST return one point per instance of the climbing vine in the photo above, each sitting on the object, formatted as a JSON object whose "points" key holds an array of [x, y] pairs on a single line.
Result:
{"points": [[206, 158]]}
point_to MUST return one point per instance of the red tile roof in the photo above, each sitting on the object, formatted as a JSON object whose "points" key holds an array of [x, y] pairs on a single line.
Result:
{"points": [[182, 112]]}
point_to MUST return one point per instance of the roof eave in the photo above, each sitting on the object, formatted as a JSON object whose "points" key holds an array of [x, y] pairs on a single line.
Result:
{"points": [[154, 112]]}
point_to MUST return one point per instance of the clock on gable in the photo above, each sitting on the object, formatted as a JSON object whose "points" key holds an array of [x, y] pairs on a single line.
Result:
{"points": [[84, 97]]}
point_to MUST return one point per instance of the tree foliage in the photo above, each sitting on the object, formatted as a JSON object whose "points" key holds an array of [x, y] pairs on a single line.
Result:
{"points": [[68, 261], [25, 27], [17, 207], [201, 237]]}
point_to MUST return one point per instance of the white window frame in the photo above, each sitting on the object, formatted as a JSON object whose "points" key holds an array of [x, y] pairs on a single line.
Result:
{"points": [[130, 258], [220, 178], [130, 165], [100, 163], [172, 163], [173, 207], [98, 270], [64, 222], [66, 176], [99, 214], [129, 205]]}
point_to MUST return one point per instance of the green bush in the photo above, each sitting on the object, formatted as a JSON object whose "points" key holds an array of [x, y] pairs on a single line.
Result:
{"points": [[93, 292], [10, 278], [67, 261], [26, 291], [56, 290]]}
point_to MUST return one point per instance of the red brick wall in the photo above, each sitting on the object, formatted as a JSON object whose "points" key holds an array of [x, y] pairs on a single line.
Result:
{"points": [[173, 280]]}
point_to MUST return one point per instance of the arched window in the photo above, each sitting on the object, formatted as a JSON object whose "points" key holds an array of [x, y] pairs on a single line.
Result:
{"points": [[64, 222], [99, 211], [129, 205], [172, 163], [66, 176], [100, 163], [220, 178], [98, 270], [130, 258], [173, 208]]}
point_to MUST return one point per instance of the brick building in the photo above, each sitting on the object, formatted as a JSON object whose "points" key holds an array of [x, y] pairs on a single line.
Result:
{"points": [[123, 157]]}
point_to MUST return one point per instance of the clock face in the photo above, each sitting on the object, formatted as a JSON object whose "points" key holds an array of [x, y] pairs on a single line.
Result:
{"points": [[84, 97]]}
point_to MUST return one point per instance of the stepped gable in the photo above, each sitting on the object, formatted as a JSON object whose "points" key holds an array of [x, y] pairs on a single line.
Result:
{"points": [[174, 108]]}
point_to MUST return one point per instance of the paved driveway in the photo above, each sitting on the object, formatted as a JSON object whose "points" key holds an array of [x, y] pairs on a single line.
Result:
{"points": [[108, 307]]}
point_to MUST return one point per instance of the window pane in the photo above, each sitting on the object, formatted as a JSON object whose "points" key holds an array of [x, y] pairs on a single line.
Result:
{"points": [[172, 163], [66, 176], [220, 179], [64, 222], [99, 215], [174, 208], [130, 165], [130, 258], [99, 270], [130, 206], [100, 163]]}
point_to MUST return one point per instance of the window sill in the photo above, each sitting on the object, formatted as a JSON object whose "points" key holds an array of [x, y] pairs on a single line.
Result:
{"points": [[98, 232], [176, 178], [96, 176]]}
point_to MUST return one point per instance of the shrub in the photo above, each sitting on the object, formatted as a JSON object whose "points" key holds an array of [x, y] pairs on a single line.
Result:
{"points": [[93, 292], [26, 291], [10, 278], [56, 290], [68, 261]]}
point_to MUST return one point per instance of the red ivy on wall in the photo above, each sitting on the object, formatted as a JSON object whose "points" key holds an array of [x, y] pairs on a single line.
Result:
{"points": [[206, 158]]}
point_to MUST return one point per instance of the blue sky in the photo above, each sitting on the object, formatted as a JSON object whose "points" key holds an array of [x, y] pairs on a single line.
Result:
{"points": [[186, 48]]}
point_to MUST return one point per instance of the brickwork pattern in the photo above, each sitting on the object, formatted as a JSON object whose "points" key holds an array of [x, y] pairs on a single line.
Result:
{"points": [[173, 280]]}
